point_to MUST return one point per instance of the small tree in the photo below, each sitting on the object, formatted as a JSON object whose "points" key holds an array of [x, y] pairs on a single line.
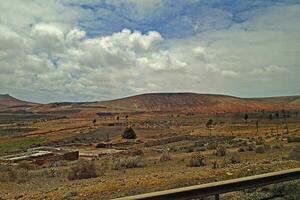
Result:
{"points": [[94, 122], [209, 125], [246, 117], [283, 112], [270, 116], [129, 133]]}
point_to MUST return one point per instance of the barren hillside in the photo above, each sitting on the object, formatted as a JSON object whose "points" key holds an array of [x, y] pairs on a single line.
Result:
{"points": [[8, 101], [192, 102], [165, 102]]}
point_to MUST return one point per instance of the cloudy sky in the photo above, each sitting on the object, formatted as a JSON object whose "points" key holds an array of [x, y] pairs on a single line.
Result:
{"points": [[73, 50]]}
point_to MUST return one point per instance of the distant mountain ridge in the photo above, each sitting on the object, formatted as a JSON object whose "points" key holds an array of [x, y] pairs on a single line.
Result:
{"points": [[166, 102], [194, 102]]}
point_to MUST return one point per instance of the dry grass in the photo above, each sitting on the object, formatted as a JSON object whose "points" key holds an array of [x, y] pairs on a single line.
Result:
{"points": [[165, 156], [196, 160], [26, 165], [128, 162], [260, 149], [295, 154], [234, 158], [221, 151]]}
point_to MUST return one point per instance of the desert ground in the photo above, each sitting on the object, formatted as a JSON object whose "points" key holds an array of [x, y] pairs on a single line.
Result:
{"points": [[125, 152]]}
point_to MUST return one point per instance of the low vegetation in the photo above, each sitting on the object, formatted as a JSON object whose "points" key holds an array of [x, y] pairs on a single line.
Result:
{"points": [[295, 153], [221, 151], [128, 162], [234, 158], [196, 160], [20, 143], [83, 170], [165, 156]]}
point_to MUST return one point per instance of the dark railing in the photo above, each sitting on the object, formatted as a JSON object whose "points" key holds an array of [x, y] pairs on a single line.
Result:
{"points": [[221, 187]]}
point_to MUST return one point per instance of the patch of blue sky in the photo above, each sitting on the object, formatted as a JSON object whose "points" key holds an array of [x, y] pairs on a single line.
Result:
{"points": [[172, 18]]}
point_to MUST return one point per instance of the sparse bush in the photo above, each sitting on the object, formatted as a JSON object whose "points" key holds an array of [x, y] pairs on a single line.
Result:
{"points": [[136, 152], [234, 158], [83, 170], [260, 149], [211, 146], [277, 146], [196, 160], [18, 175], [26, 165], [291, 139], [200, 149], [165, 156], [285, 191], [59, 163], [295, 154], [241, 149], [189, 149], [267, 147], [129, 162], [69, 195], [259, 141], [4, 177], [221, 151], [129, 133], [174, 149], [52, 172], [250, 147]]}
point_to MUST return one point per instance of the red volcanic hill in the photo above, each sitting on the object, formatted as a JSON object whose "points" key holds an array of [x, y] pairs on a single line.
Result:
{"points": [[192, 102], [8, 101], [164, 102]]}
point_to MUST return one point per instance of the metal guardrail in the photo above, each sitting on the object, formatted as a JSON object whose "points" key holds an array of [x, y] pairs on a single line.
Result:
{"points": [[221, 187]]}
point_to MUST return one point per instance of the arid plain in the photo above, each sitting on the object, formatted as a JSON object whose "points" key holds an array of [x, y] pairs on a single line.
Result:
{"points": [[151, 142]]}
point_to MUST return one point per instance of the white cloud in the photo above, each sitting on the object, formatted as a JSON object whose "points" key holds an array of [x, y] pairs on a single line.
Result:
{"points": [[46, 56], [270, 70], [65, 62]]}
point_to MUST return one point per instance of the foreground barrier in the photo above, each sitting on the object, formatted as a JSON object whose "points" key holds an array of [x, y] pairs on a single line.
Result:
{"points": [[221, 187]]}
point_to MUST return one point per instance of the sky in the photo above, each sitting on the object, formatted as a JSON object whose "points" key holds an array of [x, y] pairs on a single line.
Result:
{"points": [[87, 50]]}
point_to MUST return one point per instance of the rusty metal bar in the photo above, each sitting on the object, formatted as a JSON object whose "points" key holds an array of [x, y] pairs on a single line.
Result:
{"points": [[220, 187]]}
